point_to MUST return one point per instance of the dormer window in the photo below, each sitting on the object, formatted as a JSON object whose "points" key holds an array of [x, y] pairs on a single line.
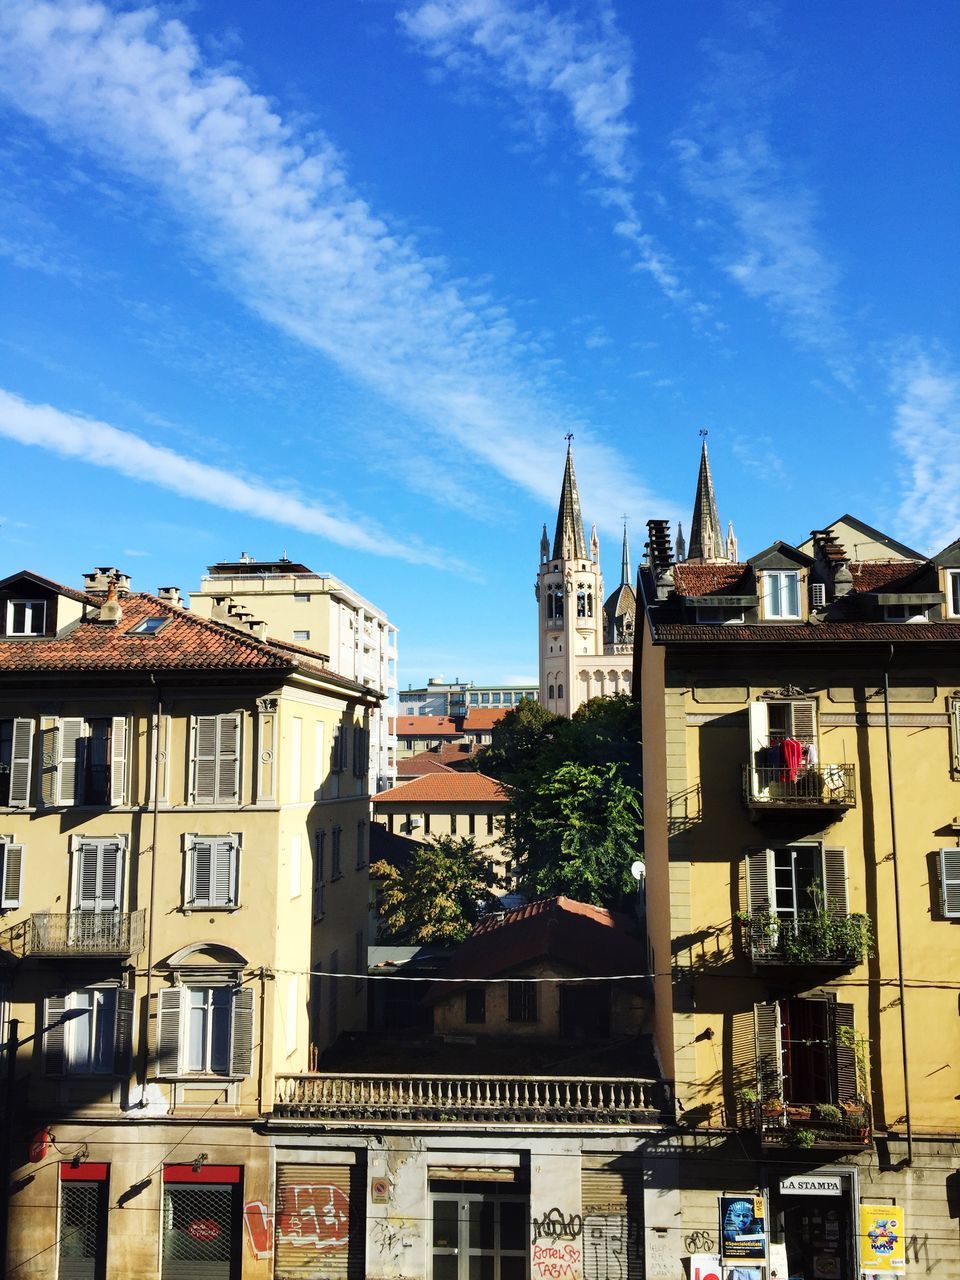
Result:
{"points": [[953, 593], [904, 613], [26, 617], [780, 593], [148, 627]]}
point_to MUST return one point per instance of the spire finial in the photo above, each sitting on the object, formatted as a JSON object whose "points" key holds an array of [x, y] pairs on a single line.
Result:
{"points": [[625, 558], [569, 542], [706, 539]]}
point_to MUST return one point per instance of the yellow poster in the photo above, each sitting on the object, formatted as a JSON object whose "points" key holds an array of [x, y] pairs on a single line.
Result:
{"points": [[882, 1241]]}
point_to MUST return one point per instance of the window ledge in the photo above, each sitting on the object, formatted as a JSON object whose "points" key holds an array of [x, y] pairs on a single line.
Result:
{"points": [[199, 906]]}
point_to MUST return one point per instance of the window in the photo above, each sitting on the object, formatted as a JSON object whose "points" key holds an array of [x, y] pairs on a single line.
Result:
{"points": [[953, 593], [950, 882], [96, 1043], [780, 593], [472, 824], [559, 691], [201, 1221], [904, 613], [485, 699], [302, 636], [474, 699], [319, 887], [85, 761], [216, 759], [806, 1050], [788, 889], [16, 759], [213, 872], [426, 824], [11, 873], [336, 870], [26, 617], [718, 617], [148, 627], [338, 750], [361, 844], [495, 698], [551, 694], [301, 597], [205, 1029], [475, 1004], [522, 1002], [361, 751], [98, 874]]}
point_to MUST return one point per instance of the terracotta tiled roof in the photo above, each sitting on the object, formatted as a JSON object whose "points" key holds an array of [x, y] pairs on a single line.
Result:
{"points": [[426, 727], [186, 643], [584, 938], [769, 633], [875, 575], [422, 763], [483, 718], [449, 787], [713, 579]]}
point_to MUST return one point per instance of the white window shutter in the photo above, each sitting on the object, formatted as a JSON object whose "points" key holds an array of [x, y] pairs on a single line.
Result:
{"points": [[21, 762], [228, 759], [201, 873], [204, 759], [123, 1032], [71, 732], [225, 872], [241, 1033], [54, 1041], [111, 875], [950, 882], [759, 728], [769, 1055], [87, 854], [49, 737], [759, 896], [835, 881], [118, 760], [169, 1001], [11, 858], [804, 716]]}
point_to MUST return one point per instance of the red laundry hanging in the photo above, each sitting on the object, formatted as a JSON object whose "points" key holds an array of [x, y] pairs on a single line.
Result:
{"points": [[792, 759]]}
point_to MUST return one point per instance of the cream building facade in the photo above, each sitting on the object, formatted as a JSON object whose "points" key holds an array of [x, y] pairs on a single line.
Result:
{"points": [[184, 813], [585, 643], [318, 612]]}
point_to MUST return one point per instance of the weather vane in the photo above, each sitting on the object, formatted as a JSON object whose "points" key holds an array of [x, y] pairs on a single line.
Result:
{"points": [[568, 437], [704, 433]]}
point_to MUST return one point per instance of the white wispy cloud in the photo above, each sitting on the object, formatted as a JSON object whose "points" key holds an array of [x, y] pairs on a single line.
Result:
{"points": [[927, 431], [766, 213], [99, 444], [555, 65], [273, 209]]}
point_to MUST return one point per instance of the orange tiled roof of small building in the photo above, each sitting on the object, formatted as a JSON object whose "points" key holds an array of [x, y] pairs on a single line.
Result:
{"points": [[422, 763], [449, 787], [480, 718], [185, 643], [426, 727], [872, 575], [692, 579]]}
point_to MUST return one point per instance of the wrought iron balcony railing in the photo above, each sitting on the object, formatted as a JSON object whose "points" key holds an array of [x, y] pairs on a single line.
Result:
{"points": [[816, 1124], [812, 937], [487, 1099], [79, 933], [829, 786]]}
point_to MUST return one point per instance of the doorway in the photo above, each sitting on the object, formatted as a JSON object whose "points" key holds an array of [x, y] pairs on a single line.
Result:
{"points": [[479, 1232]]}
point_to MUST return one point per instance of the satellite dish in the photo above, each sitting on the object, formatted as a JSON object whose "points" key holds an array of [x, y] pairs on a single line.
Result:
{"points": [[638, 870]]}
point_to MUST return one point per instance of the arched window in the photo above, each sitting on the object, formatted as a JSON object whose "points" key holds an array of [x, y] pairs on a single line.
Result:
{"points": [[558, 603], [550, 604], [581, 604], [559, 690], [550, 694], [589, 604]]}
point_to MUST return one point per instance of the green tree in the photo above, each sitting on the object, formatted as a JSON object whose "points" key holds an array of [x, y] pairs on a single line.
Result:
{"points": [[437, 897]]}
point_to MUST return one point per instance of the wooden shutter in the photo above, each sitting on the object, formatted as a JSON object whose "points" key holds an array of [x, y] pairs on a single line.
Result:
{"points": [[228, 759], [804, 717], [11, 886], [71, 731], [758, 880], [123, 1032], [758, 717], [168, 1031], [225, 872], [99, 875], [204, 759], [955, 735], [612, 1239], [319, 1222], [201, 872], [88, 876], [769, 1058], [159, 764], [743, 1057], [118, 760], [241, 1033], [835, 881], [21, 760], [54, 1044], [49, 735], [847, 1084], [950, 882], [336, 750]]}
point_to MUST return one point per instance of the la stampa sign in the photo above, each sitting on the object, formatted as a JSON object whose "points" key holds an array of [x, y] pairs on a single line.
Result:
{"points": [[810, 1185]]}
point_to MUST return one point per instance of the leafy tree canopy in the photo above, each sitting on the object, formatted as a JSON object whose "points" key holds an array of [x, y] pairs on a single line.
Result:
{"points": [[437, 897]]}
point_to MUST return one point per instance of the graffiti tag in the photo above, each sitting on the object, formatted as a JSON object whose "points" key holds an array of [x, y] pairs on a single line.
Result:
{"points": [[555, 1226], [557, 1261], [308, 1217]]}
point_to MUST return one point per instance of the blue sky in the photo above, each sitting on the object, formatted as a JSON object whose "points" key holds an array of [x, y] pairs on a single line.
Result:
{"points": [[336, 278]]}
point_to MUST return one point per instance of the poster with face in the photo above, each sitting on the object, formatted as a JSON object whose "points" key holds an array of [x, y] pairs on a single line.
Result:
{"points": [[743, 1232]]}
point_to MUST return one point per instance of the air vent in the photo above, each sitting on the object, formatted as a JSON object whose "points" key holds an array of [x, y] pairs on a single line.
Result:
{"points": [[818, 595]]}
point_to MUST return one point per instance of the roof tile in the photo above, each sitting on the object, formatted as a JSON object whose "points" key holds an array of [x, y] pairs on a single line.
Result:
{"points": [[449, 787]]}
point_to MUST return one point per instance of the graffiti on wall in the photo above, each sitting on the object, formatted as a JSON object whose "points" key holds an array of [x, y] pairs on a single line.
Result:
{"points": [[307, 1217], [557, 1253], [393, 1236], [612, 1247]]}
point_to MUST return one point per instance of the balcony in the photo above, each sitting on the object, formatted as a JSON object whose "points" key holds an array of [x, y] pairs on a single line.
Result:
{"points": [[813, 937], [479, 1099], [114, 934], [828, 786], [815, 1126]]}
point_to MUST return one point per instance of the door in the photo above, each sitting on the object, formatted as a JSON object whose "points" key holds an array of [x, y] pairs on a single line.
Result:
{"points": [[201, 1239], [479, 1235], [818, 1236]]}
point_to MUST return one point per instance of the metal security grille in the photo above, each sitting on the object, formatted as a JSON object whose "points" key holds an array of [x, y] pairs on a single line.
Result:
{"points": [[319, 1223], [200, 1237], [82, 1246], [612, 1225]]}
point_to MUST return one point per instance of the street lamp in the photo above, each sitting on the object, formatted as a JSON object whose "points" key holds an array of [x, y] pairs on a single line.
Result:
{"points": [[11, 1047]]}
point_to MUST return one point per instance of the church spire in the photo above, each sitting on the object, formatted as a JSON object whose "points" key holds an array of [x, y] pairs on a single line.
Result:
{"points": [[569, 542], [625, 558], [706, 539]]}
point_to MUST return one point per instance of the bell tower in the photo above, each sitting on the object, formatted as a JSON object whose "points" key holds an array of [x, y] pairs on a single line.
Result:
{"points": [[570, 596]]}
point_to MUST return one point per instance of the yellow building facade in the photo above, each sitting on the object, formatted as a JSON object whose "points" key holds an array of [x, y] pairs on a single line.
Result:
{"points": [[184, 815], [801, 771]]}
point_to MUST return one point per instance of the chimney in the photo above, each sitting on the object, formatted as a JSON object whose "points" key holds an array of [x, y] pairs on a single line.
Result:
{"points": [[99, 580], [111, 611], [170, 596]]}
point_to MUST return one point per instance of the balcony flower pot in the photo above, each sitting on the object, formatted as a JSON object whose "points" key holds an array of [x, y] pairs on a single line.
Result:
{"points": [[797, 1112]]}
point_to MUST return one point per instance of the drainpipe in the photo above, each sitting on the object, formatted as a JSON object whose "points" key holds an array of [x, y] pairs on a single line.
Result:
{"points": [[896, 908], [158, 720]]}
